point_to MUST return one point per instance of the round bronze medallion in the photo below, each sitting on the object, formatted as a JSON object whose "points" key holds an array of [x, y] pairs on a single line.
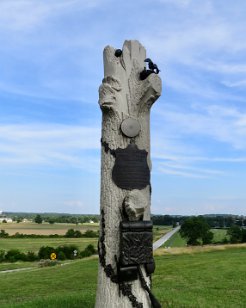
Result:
{"points": [[130, 127]]}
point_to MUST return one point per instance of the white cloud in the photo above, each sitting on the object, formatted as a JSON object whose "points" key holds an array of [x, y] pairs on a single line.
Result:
{"points": [[175, 151], [190, 40], [41, 56], [221, 67], [19, 15], [54, 48], [51, 145], [179, 169], [223, 124], [235, 84], [200, 49]]}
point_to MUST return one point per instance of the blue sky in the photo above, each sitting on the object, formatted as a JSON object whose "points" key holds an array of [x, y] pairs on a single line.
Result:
{"points": [[50, 70]]}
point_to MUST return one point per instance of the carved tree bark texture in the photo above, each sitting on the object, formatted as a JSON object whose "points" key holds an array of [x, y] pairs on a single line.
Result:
{"points": [[122, 95]]}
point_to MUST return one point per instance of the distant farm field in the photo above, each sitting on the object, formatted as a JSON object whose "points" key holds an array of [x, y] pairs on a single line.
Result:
{"points": [[205, 279], [45, 228], [177, 241], [61, 229], [159, 231], [219, 235], [33, 244]]}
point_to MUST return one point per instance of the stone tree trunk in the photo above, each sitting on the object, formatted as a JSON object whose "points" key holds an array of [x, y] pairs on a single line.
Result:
{"points": [[125, 101]]}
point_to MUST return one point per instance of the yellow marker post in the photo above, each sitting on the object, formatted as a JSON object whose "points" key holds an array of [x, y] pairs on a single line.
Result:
{"points": [[53, 256]]}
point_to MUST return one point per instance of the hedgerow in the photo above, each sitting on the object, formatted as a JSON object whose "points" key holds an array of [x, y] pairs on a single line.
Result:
{"points": [[65, 252]]}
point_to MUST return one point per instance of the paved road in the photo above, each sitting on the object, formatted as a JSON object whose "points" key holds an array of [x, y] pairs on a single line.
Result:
{"points": [[166, 237]]}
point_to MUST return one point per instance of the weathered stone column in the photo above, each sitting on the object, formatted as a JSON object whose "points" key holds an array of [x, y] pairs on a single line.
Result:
{"points": [[125, 101]]}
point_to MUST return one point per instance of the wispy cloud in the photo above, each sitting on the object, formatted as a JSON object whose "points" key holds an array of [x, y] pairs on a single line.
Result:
{"points": [[184, 139], [15, 15], [49, 145], [43, 53], [178, 3], [223, 124], [179, 169], [235, 84], [51, 54], [201, 49]]}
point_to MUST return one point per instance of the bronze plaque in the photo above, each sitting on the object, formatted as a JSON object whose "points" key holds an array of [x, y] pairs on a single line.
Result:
{"points": [[136, 242], [131, 170]]}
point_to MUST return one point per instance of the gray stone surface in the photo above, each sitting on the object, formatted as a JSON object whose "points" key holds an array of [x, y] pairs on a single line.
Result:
{"points": [[122, 95], [130, 127]]}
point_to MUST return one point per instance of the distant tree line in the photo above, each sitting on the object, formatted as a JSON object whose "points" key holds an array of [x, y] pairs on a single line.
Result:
{"points": [[70, 219], [54, 217], [197, 231], [214, 221], [237, 234], [167, 220]]}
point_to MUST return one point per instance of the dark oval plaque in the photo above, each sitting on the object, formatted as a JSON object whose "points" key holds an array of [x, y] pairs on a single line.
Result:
{"points": [[131, 170]]}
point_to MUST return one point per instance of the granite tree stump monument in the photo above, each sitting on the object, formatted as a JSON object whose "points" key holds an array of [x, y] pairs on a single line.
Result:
{"points": [[130, 86]]}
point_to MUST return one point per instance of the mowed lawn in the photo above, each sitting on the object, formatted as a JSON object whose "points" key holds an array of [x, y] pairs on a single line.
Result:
{"points": [[195, 279], [213, 278]]}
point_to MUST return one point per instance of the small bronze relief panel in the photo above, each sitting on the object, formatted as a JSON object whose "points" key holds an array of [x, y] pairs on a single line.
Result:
{"points": [[131, 170]]}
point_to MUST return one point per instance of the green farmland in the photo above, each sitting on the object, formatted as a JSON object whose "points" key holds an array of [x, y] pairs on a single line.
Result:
{"points": [[159, 231], [33, 244], [191, 279], [45, 228], [177, 241]]}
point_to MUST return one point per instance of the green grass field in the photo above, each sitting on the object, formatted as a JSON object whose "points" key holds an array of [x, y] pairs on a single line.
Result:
{"points": [[159, 231], [219, 235], [71, 285], [61, 229], [17, 265], [185, 276], [33, 244], [205, 279], [201, 279], [177, 241]]}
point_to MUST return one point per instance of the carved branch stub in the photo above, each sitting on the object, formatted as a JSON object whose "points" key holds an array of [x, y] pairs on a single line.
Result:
{"points": [[122, 89]]}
